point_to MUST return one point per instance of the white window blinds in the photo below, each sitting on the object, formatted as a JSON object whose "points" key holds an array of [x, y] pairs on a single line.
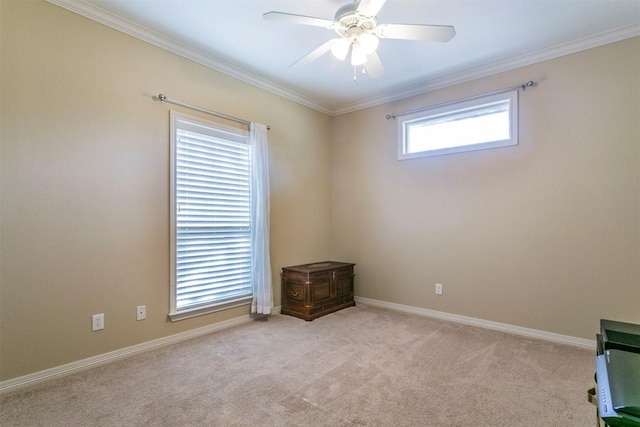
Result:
{"points": [[211, 240]]}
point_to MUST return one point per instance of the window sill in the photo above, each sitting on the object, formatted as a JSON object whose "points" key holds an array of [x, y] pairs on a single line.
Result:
{"points": [[200, 311]]}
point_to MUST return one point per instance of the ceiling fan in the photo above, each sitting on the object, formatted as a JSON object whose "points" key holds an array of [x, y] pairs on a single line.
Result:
{"points": [[359, 32]]}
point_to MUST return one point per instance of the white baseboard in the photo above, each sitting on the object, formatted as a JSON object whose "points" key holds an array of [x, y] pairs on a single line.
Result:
{"points": [[102, 359], [518, 330]]}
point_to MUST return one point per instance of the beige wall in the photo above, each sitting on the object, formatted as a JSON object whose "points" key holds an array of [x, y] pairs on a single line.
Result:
{"points": [[543, 235], [85, 185]]}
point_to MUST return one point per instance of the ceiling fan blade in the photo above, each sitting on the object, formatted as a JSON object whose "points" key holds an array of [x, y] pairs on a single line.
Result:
{"points": [[436, 33], [370, 8], [298, 19], [315, 54], [374, 66]]}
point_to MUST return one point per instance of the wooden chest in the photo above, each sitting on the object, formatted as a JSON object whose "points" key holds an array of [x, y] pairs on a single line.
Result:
{"points": [[313, 290]]}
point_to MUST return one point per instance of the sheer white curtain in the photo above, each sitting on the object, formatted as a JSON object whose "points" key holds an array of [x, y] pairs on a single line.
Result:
{"points": [[262, 283]]}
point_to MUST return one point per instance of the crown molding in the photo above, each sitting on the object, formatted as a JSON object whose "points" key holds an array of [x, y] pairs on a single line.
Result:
{"points": [[118, 23], [495, 68], [142, 33]]}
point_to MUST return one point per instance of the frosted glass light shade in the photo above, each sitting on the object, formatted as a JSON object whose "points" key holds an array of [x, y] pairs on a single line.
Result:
{"points": [[368, 43], [340, 48], [358, 55]]}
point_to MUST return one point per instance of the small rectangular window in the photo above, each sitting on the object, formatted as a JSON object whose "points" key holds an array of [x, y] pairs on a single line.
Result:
{"points": [[475, 124]]}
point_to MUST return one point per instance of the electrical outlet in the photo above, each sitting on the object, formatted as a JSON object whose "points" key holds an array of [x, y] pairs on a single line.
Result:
{"points": [[438, 288], [141, 312], [97, 322]]}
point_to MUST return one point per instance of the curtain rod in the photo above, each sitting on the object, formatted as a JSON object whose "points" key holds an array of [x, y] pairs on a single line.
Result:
{"points": [[164, 98], [523, 86]]}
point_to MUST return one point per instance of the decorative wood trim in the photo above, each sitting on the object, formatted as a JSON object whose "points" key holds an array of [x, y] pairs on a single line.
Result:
{"points": [[495, 68], [487, 324], [123, 353], [159, 40], [14, 384], [103, 359], [99, 15]]}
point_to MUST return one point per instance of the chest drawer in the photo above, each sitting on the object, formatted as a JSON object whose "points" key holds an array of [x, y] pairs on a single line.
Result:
{"points": [[294, 292]]}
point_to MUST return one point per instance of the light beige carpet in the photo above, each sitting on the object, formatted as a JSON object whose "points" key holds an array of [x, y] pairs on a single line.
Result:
{"points": [[361, 366]]}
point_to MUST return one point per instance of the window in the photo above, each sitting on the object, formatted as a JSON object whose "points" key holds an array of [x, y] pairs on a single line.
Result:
{"points": [[211, 249], [475, 124]]}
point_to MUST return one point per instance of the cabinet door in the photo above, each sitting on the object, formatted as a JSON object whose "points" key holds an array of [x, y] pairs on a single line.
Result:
{"points": [[344, 286], [344, 282], [320, 288]]}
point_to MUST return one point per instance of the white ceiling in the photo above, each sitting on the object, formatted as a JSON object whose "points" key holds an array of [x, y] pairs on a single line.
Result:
{"points": [[491, 36]]}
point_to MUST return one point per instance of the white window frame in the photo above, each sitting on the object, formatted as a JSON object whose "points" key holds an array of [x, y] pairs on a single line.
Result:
{"points": [[452, 109], [175, 312]]}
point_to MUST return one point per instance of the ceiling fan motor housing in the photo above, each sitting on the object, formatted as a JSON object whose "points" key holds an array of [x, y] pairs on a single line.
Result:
{"points": [[347, 9], [350, 23]]}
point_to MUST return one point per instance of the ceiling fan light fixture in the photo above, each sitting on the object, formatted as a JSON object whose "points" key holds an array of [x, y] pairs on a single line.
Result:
{"points": [[358, 55], [340, 48], [368, 43], [357, 28]]}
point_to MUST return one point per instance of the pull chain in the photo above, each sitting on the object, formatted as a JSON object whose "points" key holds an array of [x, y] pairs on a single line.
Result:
{"points": [[355, 70]]}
